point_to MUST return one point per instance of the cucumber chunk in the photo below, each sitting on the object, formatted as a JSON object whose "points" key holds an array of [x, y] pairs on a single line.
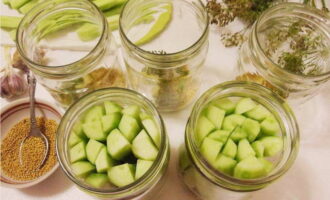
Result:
{"points": [[230, 149], [78, 152], [93, 149], [258, 113], [82, 168], [110, 122], [226, 104], [129, 127], [143, 148], [273, 145], [94, 113], [97, 180], [249, 168], [204, 127], [259, 148], [270, 126], [78, 130], [252, 128], [94, 130], [111, 107], [152, 130], [231, 121], [132, 110], [215, 115], [220, 135], [245, 105], [238, 134], [267, 165], [225, 164], [74, 139], [144, 116], [103, 161], [118, 146], [122, 175], [142, 167], [210, 149], [244, 150]]}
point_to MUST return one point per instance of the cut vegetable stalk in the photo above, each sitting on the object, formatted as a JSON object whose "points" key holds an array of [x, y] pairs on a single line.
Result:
{"points": [[17, 3], [9, 21], [28, 6]]}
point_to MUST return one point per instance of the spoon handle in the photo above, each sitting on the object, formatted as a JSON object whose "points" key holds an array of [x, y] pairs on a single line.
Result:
{"points": [[32, 89]]}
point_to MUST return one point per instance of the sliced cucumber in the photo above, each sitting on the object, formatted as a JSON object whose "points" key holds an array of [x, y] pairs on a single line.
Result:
{"points": [[215, 115], [132, 110], [252, 128], [273, 145], [267, 165], [103, 161], [220, 135], [258, 113], [142, 167], [225, 164], [82, 168], [249, 168], [259, 148], [110, 121], [129, 127], [152, 130], [244, 150], [78, 152], [97, 180], [93, 149], [111, 107], [122, 175], [245, 105], [143, 147], [204, 127], [74, 139], [78, 130], [230, 149], [270, 126], [226, 105], [94, 130], [118, 146], [210, 149], [238, 134], [231, 121], [94, 113]]}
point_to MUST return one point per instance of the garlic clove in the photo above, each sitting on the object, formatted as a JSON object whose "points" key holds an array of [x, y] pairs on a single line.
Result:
{"points": [[13, 85]]}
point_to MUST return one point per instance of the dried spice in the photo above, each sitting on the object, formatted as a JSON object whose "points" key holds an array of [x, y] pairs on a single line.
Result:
{"points": [[33, 150]]}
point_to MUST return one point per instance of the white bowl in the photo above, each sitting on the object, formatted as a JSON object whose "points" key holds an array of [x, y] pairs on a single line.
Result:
{"points": [[11, 114]]}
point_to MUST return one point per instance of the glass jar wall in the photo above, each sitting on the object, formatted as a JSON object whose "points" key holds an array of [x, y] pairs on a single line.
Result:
{"points": [[70, 49], [287, 50], [208, 183], [164, 47], [145, 187]]}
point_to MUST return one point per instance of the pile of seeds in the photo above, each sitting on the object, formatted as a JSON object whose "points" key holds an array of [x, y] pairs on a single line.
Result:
{"points": [[32, 153]]}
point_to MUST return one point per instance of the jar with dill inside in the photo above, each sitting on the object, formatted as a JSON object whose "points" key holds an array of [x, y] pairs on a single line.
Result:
{"points": [[32, 151], [287, 50]]}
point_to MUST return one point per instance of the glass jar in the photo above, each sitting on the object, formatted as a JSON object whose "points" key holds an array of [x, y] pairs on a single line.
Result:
{"points": [[209, 183], [287, 50], [165, 43], [150, 183], [70, 49]]}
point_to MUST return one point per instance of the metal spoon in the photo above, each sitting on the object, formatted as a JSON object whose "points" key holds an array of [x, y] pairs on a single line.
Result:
{"points": [[34, 129]]}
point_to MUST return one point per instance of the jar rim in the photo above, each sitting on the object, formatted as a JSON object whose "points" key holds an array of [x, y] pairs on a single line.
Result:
{"points": [[39, 10], [168, 57], [219, 178], [139, 184], [295, 8]]}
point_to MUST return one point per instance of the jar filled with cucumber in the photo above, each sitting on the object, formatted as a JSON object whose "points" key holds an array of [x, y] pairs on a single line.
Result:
{"points": [[112, 143], [240, 137], [54, 29]]}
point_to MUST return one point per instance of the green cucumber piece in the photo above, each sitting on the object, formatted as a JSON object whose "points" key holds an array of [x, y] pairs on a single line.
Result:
{"points": [[204, 127], [110, 122], [245, 105], [153, 131], [210, 149], [220, 135], [273, 145], [88, 32], [94, 113], [144, 116], [122, 175], [117, 144], [16, 4], [258, 113], [215, 115], [82, 168], [225, 164], [252, 128], [231, 121], [103, 161], [129, 127], [225, 104], [74, 139], [10, 22], [93, 149], [94, 130], [244, 150], [159, 25], [230, 149], [238, 134], [143, 147], [142, 167], [259, 148], [132, 110], [111, 107], [249, 168], [267, 165], [114, 11], [78, 152], [97, 180], [78, 130], [270, 126]]}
